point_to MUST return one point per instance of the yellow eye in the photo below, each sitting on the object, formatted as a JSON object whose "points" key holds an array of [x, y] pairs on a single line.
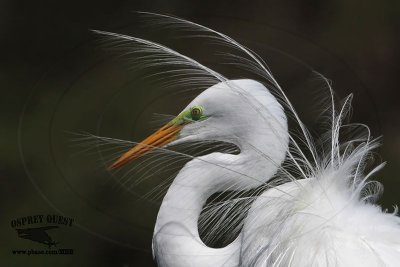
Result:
{"points": [[196, 113]]}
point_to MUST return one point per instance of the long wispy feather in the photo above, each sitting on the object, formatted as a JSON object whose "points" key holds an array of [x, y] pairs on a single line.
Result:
{"points": [[182, 69]]}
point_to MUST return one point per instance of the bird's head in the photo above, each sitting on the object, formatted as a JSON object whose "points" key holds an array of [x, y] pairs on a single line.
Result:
{"points": [[220, 113]]}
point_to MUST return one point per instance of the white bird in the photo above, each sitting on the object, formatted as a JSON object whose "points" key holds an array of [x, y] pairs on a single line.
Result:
{"points": [[319, 211]]}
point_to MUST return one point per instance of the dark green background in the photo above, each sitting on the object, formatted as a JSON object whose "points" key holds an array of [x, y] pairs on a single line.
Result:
{"points": [[50, 63]]}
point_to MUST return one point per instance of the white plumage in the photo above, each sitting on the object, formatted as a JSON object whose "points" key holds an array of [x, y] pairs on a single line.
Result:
{"points": [[318, 211], [261, 135]]}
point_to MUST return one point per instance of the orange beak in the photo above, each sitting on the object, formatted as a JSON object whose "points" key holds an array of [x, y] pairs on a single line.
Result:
{"points": [[163, 136]]}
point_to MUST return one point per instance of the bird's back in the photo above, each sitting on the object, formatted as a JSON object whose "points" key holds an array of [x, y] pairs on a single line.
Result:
{"points": [[319, 222]]}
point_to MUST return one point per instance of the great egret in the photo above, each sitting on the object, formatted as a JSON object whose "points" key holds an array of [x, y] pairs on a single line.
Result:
{"points": [[318, 212]]}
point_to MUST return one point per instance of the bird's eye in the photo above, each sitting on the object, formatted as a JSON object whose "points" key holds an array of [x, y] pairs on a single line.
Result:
{"points": [[196, 113]]}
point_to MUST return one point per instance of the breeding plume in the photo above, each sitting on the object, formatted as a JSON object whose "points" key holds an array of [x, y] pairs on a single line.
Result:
{"points": [[311, 200]]}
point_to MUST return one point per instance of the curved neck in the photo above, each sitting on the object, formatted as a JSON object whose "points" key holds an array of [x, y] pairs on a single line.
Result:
{"points": [[176, 235], [194, 184]]}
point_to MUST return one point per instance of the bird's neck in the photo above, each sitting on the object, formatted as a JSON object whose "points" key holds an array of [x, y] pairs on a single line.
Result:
{"points": [[199, 179], [176, 231]]}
